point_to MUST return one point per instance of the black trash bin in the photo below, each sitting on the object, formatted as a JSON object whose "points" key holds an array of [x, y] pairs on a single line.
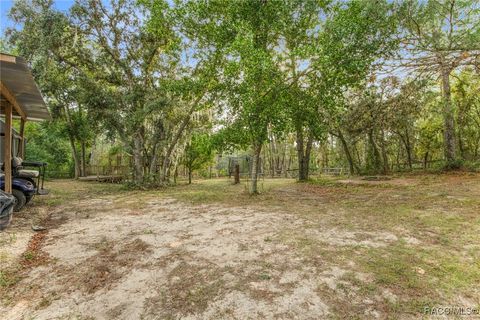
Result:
{"points": [[7, 202]]}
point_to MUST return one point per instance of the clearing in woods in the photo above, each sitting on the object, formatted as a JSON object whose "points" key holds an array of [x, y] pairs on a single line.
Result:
{"points": [[326, 249]]}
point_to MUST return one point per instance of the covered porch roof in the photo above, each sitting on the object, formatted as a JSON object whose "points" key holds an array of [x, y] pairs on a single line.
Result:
{"points": [[19, 98], [19, 89]]}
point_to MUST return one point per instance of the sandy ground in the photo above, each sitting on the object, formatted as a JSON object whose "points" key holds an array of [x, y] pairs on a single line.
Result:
{"points": [[172, 260], [108, 258]]}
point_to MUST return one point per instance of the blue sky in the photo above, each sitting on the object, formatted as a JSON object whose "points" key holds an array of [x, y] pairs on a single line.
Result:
{"points": [[6, 5]]}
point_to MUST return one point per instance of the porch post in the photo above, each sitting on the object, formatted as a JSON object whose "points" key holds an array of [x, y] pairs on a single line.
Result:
{"points": [[8, 148], [21, 146]]}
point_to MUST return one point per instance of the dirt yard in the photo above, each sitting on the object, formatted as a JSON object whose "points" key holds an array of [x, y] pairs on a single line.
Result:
{"points": [[330, 249]]}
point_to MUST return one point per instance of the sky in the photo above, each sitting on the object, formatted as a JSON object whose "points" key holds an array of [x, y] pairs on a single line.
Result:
{"points": [[6, 5]]}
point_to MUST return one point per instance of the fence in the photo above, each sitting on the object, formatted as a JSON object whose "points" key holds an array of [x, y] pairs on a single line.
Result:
{"points": [[99, 170], [55, 174]]}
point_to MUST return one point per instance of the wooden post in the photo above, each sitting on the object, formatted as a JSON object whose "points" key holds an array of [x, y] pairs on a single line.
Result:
{"points": [[237, 174], [13, 101], [229, 168], [8, 148], [21, 146]]}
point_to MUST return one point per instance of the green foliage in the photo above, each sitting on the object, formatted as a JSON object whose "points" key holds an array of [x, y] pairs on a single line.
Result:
{"points": [[46, 142], [440, 38], [303, 81], [198, 152], [465, 96]]}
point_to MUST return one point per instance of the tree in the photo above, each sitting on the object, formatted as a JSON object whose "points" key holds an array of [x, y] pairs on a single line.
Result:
{"points": [[284, 80], [192, 88], [245, 33], [198, 153], [111, 55], [465, 88], [47, 142], [300, 37], [441, 37], [57, 80], [356, 37], [131, 62]]}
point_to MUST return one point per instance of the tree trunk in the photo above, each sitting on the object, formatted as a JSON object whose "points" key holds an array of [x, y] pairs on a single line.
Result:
{"points": [[152, 170], [348, 154], [374, 154], [300, 153], [384, 154], [303, 153], [408, 149], [137, 158], [476, 147], [282, 163], [166, 165], [448, 117], [398, 154], [289, 165], [76, 161], [271, 160], [326, 157], [306, 158], [83, 159], [461, 146], [358, 157], [189, 176], [257, 148], [175, 175], [176, 138], [230, 162]]}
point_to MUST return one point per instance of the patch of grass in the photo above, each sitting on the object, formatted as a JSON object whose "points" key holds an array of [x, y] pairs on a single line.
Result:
{"points": [[454, 273], [264, 276], [189, 290], [29, 255], [438, 213], [421, 276], [222, 191], [197, 197], [66, 190], [7, 278], [324, 181], [46, 300], [203, 192], [103, 244], [394, 267], [364, 287], [8, 238], [315, 251]]}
